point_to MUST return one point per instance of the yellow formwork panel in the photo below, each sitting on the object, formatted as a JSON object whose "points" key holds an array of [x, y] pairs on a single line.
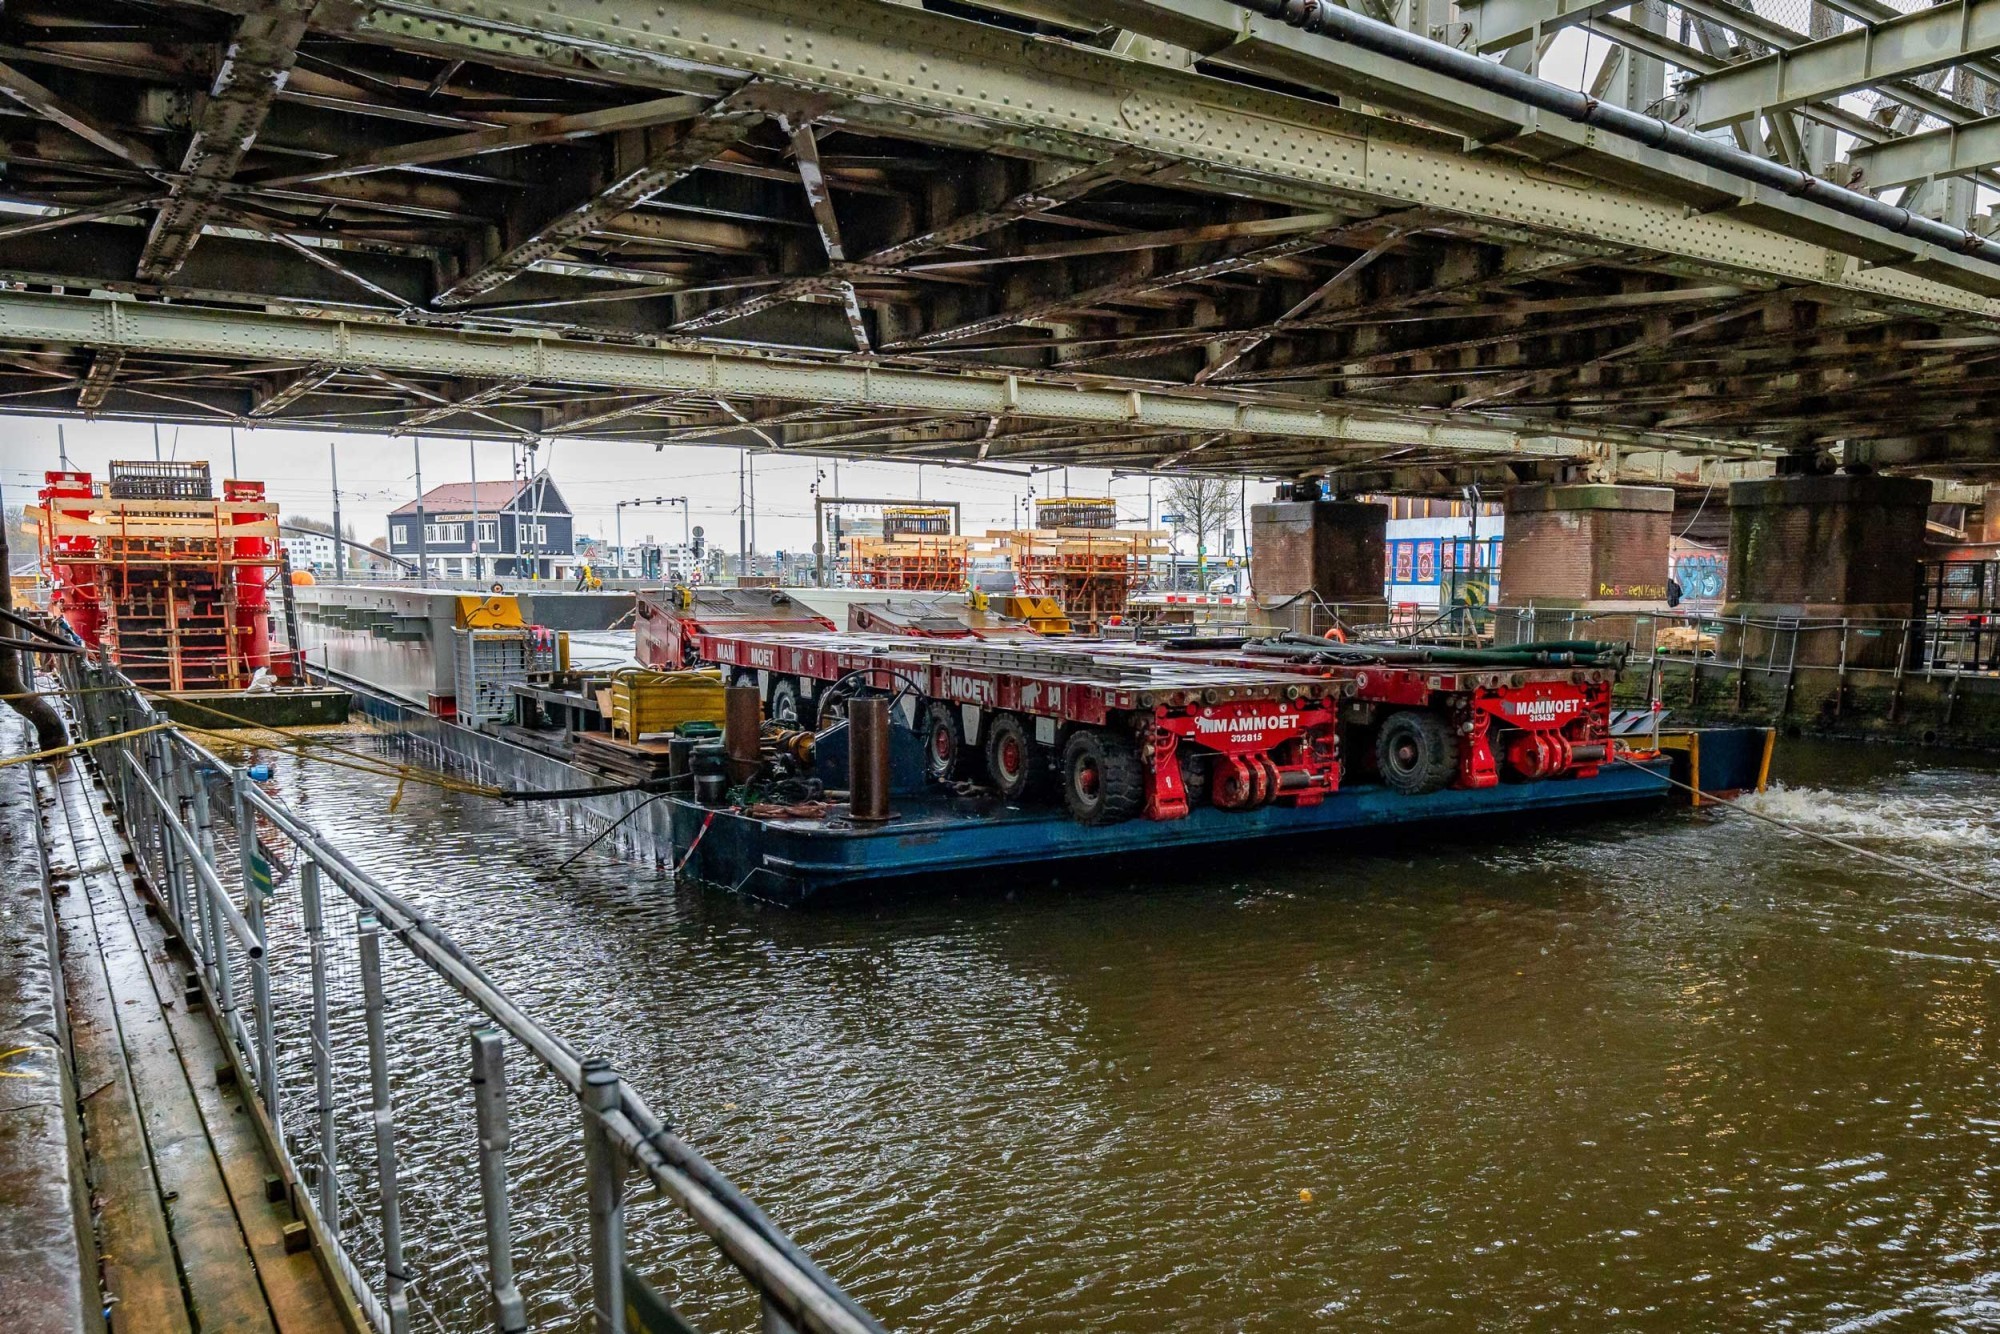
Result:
{"points": [[644, 702]]}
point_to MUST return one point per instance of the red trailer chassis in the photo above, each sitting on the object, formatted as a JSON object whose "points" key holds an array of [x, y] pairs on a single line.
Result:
{"points": [[1263, 736], [1534, 723], [1165, 727]]}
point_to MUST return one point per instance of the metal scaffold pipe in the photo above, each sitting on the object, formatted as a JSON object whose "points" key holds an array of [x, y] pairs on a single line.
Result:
{"points": [[1344, 25]]}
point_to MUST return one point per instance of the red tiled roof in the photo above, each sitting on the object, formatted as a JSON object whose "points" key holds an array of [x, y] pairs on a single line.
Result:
{"points": [[455, 496]]}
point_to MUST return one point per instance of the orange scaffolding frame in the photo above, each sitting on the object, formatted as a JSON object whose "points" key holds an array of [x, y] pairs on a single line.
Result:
{"points": [[910, 562], [1090, 572]]}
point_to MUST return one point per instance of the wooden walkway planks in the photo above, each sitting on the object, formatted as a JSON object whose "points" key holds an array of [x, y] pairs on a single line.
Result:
{"points": [[203, 1245]]}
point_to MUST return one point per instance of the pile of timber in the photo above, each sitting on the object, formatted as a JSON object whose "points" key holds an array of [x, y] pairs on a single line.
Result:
{"points": [[627, 761]]}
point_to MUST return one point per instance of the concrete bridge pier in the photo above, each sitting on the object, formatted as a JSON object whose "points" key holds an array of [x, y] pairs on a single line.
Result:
{"points": [[1309, 556], [1589, 555], [1824, 549]]}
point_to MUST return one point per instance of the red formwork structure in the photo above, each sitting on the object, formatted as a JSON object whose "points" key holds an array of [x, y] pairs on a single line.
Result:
{"points": [[149, 566], [1090, 572], [910, 562]]}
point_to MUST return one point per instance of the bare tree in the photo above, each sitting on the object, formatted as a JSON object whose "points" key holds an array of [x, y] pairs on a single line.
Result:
{"points": [[1204, 506]]}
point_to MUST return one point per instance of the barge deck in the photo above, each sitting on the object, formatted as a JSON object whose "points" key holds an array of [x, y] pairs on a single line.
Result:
{"points": [[795, 861]]}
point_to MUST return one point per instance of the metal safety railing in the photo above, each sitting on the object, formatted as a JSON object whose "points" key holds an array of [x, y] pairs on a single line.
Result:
{"points": [[389, 1074], [1934, 644], [1931, 645]]}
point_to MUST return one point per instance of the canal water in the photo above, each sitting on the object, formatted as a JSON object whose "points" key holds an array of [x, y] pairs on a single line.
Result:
{"points": [[1668, 1072]]}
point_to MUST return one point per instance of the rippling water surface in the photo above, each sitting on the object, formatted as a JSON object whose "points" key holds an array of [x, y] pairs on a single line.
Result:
{"points": [[1666, 1073]]}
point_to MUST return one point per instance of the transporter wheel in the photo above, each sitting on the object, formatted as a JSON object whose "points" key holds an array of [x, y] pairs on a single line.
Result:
{"points": [[1103, 780], [1016, 762], [788, 704], [743, 676], [1415, 752], [944, 742]]}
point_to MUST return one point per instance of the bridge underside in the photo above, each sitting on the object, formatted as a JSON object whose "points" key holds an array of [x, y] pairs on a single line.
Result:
{"points": [[1138, 234]]}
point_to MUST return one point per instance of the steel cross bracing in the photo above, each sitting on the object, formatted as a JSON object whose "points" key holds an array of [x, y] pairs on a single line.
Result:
{"points": [[1138, 233]]}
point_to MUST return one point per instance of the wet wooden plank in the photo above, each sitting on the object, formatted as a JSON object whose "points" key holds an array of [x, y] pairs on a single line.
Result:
{"points": [[294, 1287], [141, 1276], [220, 1281]]}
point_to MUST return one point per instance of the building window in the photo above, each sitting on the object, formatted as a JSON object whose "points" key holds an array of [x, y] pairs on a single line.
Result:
{"points": [[400, 532], [489, 532], [534, 534], [444, 534]]}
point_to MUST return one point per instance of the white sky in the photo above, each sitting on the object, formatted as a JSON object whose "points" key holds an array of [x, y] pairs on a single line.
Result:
{"points": [[377, 474]]}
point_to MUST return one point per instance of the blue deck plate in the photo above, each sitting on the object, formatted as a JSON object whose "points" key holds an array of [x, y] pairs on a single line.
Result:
{"points": [[792, 861]]}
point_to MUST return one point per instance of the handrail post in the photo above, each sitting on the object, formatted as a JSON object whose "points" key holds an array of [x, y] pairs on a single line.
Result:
{"points": [[205, 914], [1896, 688], [260, 966], [159, 849], [181, 786], [385, 1125], [600, 1094], [489, 1095], [167, 891], [322, 1049]]}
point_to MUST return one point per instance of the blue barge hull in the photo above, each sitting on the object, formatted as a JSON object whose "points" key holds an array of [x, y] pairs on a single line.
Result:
{"points": [[795, 861]]}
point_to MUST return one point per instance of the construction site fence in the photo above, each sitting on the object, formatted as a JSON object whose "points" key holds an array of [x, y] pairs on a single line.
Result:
{"points": [[391, 1074]]}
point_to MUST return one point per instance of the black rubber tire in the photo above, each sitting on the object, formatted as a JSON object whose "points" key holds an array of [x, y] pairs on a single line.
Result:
{"points": [[743, 676], [788, 704], [1016, 763], [945, 757], [1415, 752], [1197, 771], [1103, 780]]}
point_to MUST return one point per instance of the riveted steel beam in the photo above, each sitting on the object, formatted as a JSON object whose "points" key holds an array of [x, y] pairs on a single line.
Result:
{"points": [[254, 68], [1058, 184], [1897, 48], [1121, 289], [275, 396], [645, 162], [83, 124], [437, 412], [1955, 150], [97, 382], [384, 348], [477, 143], [903, 72]]}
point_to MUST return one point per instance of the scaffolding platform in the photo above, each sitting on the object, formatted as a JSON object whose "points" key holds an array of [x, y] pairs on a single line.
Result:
{"points": [[1091, 573]]}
